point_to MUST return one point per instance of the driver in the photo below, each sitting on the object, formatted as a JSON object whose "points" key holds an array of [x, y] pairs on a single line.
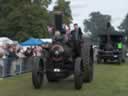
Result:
{"points": [[76, 35], [58, 36]]}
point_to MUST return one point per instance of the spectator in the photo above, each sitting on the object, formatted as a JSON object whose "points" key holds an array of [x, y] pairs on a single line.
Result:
{"points": [[37, 51], [21, 56], [2, 52], [11, 61], [20, 53], [28, 52]]}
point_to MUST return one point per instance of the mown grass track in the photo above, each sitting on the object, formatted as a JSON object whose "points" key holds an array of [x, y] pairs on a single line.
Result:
{"points": [[109, 80]]}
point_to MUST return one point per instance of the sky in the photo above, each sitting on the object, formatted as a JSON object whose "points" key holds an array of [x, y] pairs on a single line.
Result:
{"points": [[82, 8]]}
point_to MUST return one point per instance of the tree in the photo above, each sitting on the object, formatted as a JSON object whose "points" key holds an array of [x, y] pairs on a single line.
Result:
{"points": [[21, 19], [124, 27], [64, 6], [97, 23], [42, 3]]}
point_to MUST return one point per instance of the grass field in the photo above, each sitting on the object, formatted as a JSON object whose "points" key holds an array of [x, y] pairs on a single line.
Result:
{"points": [[109, 80]]}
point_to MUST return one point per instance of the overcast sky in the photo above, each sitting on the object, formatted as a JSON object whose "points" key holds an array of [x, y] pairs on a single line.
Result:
{"points": [[82, 8]]}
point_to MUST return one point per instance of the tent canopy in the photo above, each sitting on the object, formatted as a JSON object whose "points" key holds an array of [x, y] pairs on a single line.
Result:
{"points": [[32, 42], [47, 40], [5, 41]]}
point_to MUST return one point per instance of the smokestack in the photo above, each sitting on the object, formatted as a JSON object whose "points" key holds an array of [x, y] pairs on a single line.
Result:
{"points": [[58, 20], [108, 25]]}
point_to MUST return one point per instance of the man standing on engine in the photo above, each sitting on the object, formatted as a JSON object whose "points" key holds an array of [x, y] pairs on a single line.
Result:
{"points": [[76, 35]]}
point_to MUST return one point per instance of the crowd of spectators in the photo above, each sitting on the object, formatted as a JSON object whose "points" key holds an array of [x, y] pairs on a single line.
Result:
{"points": [[15, 59], [12, 51]]}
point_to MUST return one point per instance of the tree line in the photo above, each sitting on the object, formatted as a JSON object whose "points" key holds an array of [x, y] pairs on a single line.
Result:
{"points": [[22, 19], [97, 24]]}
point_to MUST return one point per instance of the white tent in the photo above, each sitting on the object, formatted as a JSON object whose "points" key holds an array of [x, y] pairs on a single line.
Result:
{"points": [[5, 41], [49, 40]]}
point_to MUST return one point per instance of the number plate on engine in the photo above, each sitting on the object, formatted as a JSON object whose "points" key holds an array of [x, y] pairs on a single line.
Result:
{"points": [[57, 70], [115, 56]]}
